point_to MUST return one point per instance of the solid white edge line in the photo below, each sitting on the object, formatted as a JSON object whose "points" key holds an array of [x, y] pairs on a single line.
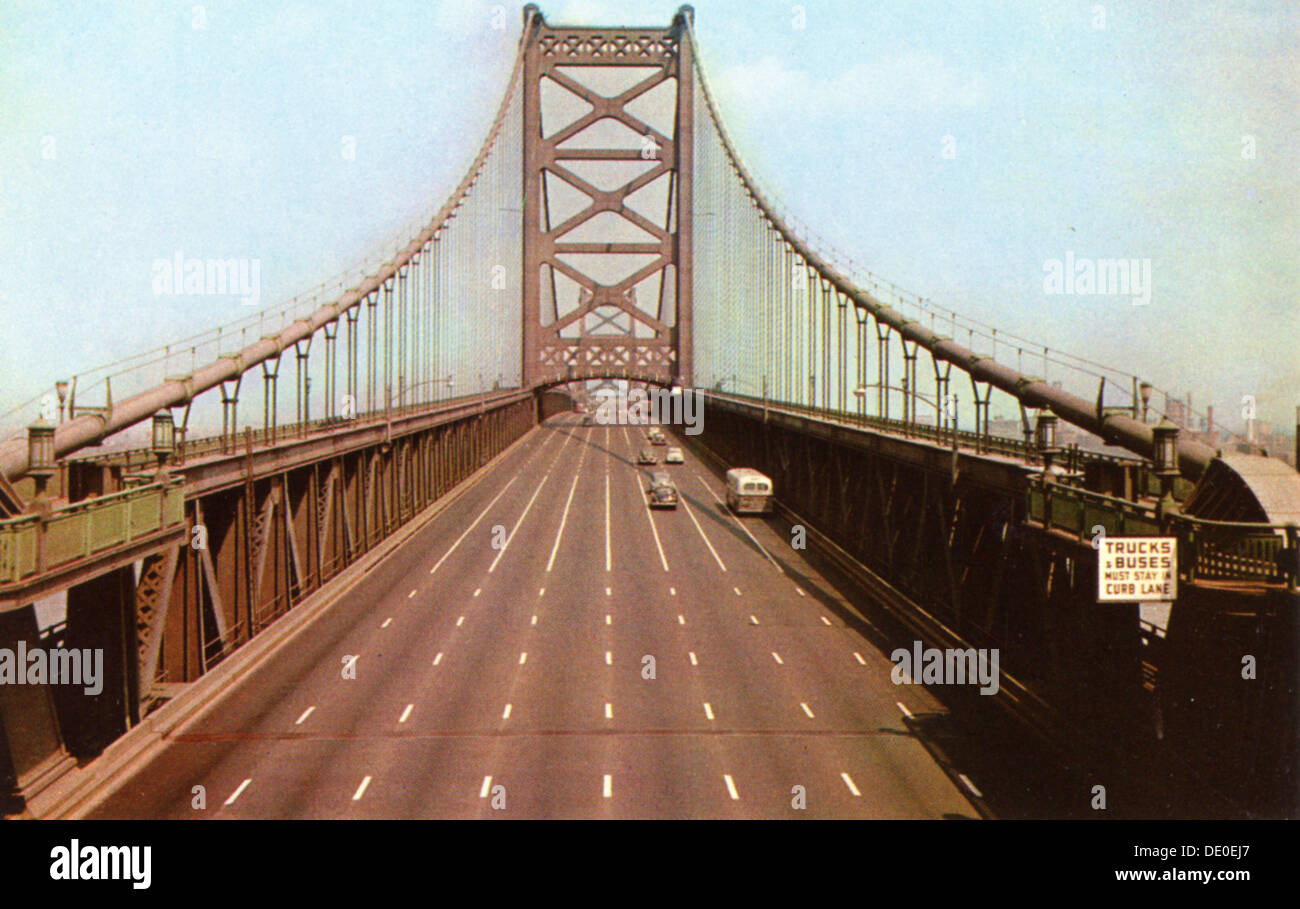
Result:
{"points": [[650, 517], [515, 529], [690, 514], [969, 785], [475, 524], [563, 518]]}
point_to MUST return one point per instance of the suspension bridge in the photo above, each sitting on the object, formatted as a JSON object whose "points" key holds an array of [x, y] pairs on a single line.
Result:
{"points": [[437, 590]]}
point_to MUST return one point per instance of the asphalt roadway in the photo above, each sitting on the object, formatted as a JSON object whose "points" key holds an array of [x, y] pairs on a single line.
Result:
{"points": [[549, 647]]}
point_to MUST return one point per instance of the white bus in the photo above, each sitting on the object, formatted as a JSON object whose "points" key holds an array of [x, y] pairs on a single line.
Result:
{"points": [[748, 491]]}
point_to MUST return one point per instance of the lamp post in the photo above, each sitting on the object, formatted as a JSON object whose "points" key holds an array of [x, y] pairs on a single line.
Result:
{"points": [[1045, 440], [1144, 391], [163, 441], [61, 388], [40, 460], [1165, 455]]}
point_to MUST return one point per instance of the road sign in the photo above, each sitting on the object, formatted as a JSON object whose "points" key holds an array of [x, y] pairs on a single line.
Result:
{"points": [[1137, 569]]}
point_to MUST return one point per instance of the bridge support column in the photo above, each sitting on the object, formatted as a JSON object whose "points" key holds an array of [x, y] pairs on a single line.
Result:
{"points": [[909, 380], [229, 405], [270, 371], [882, 369], [331, 332], [301, 350]]}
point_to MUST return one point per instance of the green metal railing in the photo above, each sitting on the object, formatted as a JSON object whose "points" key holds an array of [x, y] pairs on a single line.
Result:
{"points": [[30, 543], [1207, 550]]}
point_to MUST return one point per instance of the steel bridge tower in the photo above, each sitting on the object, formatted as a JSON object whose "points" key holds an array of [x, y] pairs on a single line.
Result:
{"points": [[607, 158]]}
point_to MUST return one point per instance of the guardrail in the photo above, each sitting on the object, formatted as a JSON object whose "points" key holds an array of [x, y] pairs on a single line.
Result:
{"points": [[32, 543], [1072, 458], [133, 459]]}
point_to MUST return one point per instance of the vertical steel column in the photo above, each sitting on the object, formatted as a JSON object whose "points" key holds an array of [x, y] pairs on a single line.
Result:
{"points": [[229, 406], [401, 337], [882, 370], [351, 379], [861, 391], [388, 345], [532, 186], [372, 344], [301, 349], [331, 354], [270, 371], [909, 379]]}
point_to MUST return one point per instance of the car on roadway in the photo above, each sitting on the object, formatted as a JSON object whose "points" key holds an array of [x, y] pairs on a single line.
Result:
{"points": [[656, 436], [674, 456], [662, 492], [647, 456]]}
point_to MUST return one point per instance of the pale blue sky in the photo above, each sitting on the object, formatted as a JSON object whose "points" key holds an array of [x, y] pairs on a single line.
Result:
{"points": [[1122, 141]]}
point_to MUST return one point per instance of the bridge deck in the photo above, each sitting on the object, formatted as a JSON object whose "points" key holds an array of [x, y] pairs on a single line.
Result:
{"points": [[525, 665]]}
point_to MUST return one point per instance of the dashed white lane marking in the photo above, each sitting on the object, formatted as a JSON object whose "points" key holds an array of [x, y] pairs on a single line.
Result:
{"points": [[731, 786], [681, 620], [475, 524], [609, 552], [437, 659], [776, 656], [514, 530], [608, 789], [825, 621], [388, 621], [690, 514], [969, 785], [799, 590], [306, 713], [410, 595], [740, 525], [541, 591], [609, 711], [534, 621], [487, 786], [236, 794], [609, 592], [673, 591], [903, 707], [523, 657], [563, 518], [361, 790], [848, 781], [609, 658], [694, 661], [708, 710], [406, 714], [857, 656], [505, 714], [753, 620], [477, 591], [806, 710], [737, 589], [649, 516], [460, 621]]}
